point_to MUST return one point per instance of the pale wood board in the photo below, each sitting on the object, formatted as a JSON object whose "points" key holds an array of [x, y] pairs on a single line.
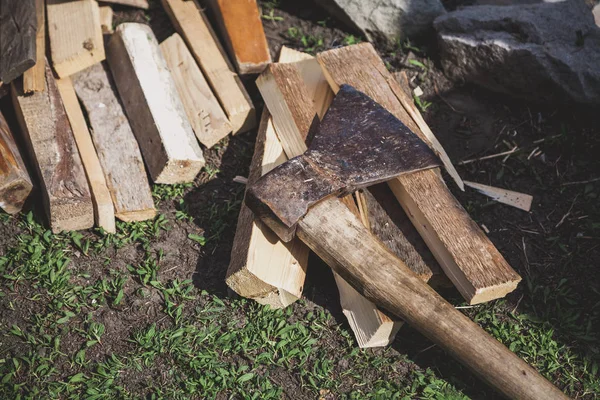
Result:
{"points": [[34, 78], [241, 28], [18, 24], [104, 213], [191, 23], [465, 254], [153, 106], [75, 35], [52, 149], [204, 112], [115, 143], [515, 199], [15, 183], [106, 19], [131, 3]]}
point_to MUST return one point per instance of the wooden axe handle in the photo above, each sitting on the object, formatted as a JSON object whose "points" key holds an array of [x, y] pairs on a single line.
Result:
{"points": [[332, 231]]}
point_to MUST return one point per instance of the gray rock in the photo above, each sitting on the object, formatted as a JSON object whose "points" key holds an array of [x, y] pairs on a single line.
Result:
{"points": [[390, 19], [547, 52]]}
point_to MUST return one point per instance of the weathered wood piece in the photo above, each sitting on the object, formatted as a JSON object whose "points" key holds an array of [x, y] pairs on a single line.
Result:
{"points": [[518, 200], [463, 251], [153, 106], [52, 149], [131, 3], [34, 78], [75, 35], [18, 26], [208, 119], [15, 183], [191, 23], [104, 212], [336, 235], [241, 28], [106, 19], [115, 143]]}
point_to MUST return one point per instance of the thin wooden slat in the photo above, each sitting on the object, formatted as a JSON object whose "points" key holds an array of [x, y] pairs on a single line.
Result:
{"points": [[192, 25], [106, 19], [241, 28], [52, 149], [75, 35], [103, 207], [208, 119], [143, 4], [155, 111], [115, 143], [34, 78], [15, 183], [18, 26], [465, 254], [509, 197]]}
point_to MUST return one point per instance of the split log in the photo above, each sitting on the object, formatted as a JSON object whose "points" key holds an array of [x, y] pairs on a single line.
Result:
{"points": [[15, 183], [463, 251], [34, 78], [106, 19], [18, 26], [208, 119], [242, 30], [52, 149], [131, 3], [75, 35], [153, 106], [103, 207], [117, 148], [191, 23]]}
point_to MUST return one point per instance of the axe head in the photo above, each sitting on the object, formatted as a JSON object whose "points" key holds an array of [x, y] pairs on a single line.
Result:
{"points": [[357, 144]]}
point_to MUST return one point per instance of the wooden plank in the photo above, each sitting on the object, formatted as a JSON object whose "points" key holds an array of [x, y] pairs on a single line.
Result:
{"points": [[52, 149], [208, 119], [193, 27], [103, 207], [465, 254], [15, 183], [34, 78], [106, 19], [515, 199], [18, 26], [131, 3], [115, 143], [155, 111], [241, 28], [75, 35]]}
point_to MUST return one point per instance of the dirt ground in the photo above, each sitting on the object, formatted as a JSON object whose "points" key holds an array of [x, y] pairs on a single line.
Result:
{"points": [[170, 329]]}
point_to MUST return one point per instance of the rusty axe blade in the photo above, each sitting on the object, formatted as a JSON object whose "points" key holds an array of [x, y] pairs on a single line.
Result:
{"points": [[358, 144]]}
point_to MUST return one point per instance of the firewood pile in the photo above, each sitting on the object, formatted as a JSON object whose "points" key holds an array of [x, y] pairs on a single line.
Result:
{"points": [[100, 122]]}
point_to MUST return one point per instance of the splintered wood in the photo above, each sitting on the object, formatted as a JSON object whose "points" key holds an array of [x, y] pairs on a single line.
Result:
{"points": [[34, 78], [191, 24], [153, 106], [103, 207], [515, 199], [18, 25], [118, 151], [52, 148], [201, 106], [15, 183], [241, 28], [75, 35], [465, 254]]}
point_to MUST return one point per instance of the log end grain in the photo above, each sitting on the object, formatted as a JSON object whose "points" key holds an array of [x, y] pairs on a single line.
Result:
{"points": [[13, 196]]}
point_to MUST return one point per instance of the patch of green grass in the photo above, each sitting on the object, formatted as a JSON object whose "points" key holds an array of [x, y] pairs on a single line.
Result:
{"points": [[309, 43], [271, 16], [169, 192]]}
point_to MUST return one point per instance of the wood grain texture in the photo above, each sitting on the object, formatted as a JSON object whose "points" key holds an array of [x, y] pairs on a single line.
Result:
{"points": [[104, 213], [52, 149], [15, 183], [463, 251], [518, 200], [241, 28], [131, 3], [106, 19], [204, 112], [34, 78], [192, 25], [338, 237], [155, 111], [18, 26], [115, 143], [75, 35]]}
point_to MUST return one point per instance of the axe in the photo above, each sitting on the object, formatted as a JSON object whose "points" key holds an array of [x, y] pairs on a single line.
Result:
{"points": [[357, 144]]}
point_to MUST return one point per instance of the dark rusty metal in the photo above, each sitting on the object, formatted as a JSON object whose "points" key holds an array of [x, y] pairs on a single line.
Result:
{"points": [[357, 144]]}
